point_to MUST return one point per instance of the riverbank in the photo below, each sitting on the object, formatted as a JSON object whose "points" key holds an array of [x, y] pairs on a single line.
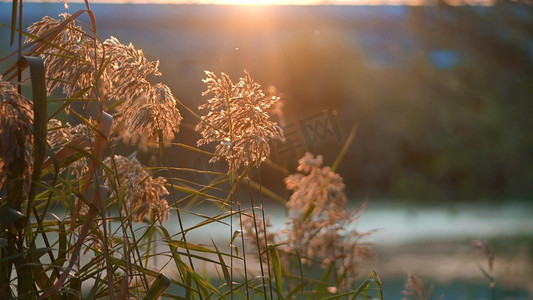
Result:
{"points": [[453, 267]]}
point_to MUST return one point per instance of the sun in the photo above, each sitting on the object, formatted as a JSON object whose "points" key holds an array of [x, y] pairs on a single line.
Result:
{"points": [[263, 2]]}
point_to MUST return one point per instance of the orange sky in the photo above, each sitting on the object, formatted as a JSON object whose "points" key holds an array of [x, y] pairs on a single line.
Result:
{"points": [[277, 2], [251, 2]]}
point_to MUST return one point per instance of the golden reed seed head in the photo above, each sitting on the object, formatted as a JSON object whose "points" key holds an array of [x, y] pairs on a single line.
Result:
{"points": [[150, 114], [143, 193], [320, 224], [237, 120], [74, 61], [60, 135], [70, 61], [16, 131], [483, 247], [414, 289], [127, 70], [113, 72]]}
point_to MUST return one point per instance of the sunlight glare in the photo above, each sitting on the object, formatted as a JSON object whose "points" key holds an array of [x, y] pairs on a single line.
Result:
{"points": [[261, 2]]}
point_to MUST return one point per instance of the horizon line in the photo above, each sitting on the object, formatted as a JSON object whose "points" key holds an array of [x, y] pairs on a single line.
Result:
{"points": [[278, 2]]}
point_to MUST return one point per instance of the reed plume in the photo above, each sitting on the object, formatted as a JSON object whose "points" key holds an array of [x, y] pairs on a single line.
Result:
{"points": [[69, 55], [414, 289], [143, 194], [114, 73], [154, 113], [237, 120], [319, 222], [16, 131]]}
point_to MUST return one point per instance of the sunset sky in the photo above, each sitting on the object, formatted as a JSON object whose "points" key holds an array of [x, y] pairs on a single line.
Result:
{"points": [[275, 2]]}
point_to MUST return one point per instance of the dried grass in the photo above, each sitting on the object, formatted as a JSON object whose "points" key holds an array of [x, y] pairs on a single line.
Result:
{"points": [[237, 120], [16, 131]]}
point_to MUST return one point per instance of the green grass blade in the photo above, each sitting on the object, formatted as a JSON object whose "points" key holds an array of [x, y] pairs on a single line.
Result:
{"points": [[11, 217], [218, 218], [321, 286], [223, 265], [40, 277], [277, 268], [267, 192], [308, 212], [193, 191], [190, 246], [185, 276], [344, 149], [40, 119], [14, 12], [159, 286]]}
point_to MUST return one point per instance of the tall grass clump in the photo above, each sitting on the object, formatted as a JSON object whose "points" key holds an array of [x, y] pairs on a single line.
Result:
{"points": [[482, 247], [414, 289], [81, 219]]}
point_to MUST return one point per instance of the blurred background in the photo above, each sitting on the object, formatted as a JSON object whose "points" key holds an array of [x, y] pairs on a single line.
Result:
{"points": [[441, 96]]}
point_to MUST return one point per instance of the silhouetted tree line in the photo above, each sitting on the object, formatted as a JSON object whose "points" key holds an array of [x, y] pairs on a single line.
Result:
{"points": [[442, 94], [454, 129]]}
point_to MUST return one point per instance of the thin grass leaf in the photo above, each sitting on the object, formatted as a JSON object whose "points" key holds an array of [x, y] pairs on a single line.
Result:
{"points": [[485, 273], [344, 149], [218, 218], [192, 191], [190, 184], [232, 292], [202, 282], [308, 212], [267, 192], [40, 277], [276, 166], [14, 13], [321, 286], [101, 128], [300, 266], [74, 285], [40, 119], [15, 185], [94, 289], [207, 172], [159, 286], [140, 269], [192, 255], [10, 217], [190, 246], [236, 184], [67, 154], [365, 286], [194, 149], [184, 272], [62, 242], [277, 269], [174, 297], [104, 127], [213, 185], [223, 265], [69, 101]]}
